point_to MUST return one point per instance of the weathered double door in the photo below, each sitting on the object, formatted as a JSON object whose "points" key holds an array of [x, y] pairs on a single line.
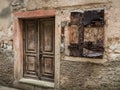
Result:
{"points": [[38, 47]]}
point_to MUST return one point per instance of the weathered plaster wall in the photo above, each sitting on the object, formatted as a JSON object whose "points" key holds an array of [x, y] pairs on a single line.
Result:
{"points": [[37, 4], [112, 13], [6, 40], [74, 75], [6, 21], [5, 13], [6, 35], [113, 31], [6, 27]]}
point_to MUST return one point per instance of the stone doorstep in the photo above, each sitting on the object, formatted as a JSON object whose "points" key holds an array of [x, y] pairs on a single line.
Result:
{"points": [[7, 88], [37, 83]]}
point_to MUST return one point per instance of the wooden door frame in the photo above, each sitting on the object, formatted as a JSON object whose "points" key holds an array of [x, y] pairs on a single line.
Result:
{"points": [[18, 43]]}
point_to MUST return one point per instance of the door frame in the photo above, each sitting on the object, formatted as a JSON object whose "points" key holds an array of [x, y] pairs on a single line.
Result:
{"points": [[18, 43]]}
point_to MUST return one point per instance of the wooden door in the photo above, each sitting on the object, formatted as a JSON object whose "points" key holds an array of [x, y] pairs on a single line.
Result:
{"points": [[38, 45], [47, 48]]}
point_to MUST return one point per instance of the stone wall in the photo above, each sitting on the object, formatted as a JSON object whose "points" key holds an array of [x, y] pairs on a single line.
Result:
{"points": [[6, 67], [89, 76]]}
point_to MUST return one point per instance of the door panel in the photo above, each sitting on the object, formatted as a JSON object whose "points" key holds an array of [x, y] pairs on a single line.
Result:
{"points": [[30, 55], [47, 27], [38, 41], [31, 36], [31, 65], [48, 67], [48, 38], [47, 46]]}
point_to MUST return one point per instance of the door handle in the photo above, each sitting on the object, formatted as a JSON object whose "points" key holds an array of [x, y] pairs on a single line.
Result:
{"points": [[40, 53]]}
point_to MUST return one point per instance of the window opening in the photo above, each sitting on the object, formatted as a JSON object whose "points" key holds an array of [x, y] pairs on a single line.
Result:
{"points": [[87, 34]]}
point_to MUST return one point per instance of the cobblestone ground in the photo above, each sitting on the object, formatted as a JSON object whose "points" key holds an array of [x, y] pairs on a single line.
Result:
{"points": [[7, 88]]}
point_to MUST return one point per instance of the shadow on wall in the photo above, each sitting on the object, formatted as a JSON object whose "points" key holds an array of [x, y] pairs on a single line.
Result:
{"points": [[5, 12]]}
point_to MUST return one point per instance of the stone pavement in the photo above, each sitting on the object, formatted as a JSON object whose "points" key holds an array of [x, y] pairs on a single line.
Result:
{"points": [[7, 88]]}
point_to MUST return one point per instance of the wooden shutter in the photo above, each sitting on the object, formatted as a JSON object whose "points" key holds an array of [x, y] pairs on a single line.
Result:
{"points": [[86, 34], [76, 34]]}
